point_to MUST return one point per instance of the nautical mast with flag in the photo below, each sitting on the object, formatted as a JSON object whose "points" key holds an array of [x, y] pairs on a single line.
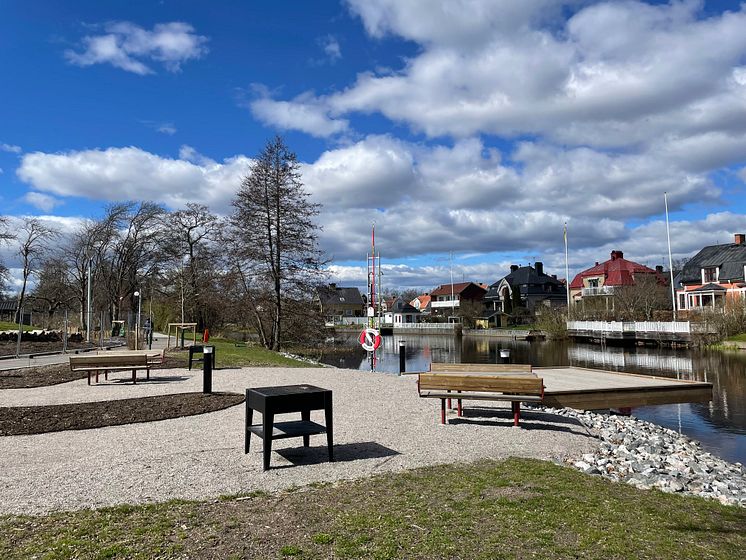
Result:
{"points": [[370, 338], [374, 284]]}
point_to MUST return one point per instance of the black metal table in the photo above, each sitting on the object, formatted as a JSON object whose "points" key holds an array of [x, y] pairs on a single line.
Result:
{"points": [[284, 399]]}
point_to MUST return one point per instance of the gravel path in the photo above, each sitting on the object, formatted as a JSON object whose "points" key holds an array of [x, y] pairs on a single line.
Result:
{"points": [[380, 425]]}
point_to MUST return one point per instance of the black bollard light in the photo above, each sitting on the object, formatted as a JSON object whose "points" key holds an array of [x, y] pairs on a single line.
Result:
{"points": [[207, 369], [402, 363], [505, 355]]}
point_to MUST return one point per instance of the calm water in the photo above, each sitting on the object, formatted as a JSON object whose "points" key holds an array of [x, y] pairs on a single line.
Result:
{"points": [[720, 425]]}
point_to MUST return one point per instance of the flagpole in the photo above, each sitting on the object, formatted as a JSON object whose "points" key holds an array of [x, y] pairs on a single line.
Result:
{"points": [[670, 260], [567, 271]]}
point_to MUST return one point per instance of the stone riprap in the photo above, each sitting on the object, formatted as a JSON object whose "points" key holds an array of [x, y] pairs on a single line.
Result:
{"points": [[647, 456]]}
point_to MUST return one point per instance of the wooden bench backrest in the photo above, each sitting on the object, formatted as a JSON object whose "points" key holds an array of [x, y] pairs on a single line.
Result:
{"points": [[523, 384], [153, 355], [490, 368], [113, 360]]}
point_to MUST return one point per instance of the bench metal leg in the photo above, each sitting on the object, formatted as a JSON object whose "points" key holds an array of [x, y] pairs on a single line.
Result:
{"points": [[442, 411], [89, 377], [459, 409], [516, 413], [134, 377]]}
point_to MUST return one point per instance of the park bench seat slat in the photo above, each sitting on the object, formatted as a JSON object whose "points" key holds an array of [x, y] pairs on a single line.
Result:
{"points": [[473, 384]]}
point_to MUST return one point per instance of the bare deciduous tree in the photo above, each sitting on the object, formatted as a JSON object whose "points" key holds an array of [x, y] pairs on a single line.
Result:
{"points": [[639, 301], [273, 239], [88, 247], [134, 253], [34, 237], [5, 237], [54, 288], [190, 234]]}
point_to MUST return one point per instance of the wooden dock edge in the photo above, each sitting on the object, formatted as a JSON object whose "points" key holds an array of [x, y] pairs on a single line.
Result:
{"points": [[595, 399]]}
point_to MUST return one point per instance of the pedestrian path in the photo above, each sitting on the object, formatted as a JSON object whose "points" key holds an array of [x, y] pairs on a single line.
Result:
{"points": [[159, 342]]}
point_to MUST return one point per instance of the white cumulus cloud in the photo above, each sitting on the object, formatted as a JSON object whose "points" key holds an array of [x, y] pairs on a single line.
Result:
{"points": [[41, 201], [130, 47]]}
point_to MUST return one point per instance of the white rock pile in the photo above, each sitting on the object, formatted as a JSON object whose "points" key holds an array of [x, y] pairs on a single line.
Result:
{"points": [[648, 456]]}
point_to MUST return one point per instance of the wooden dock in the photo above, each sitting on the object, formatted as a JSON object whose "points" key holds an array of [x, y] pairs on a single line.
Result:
{"points": [[592, 389]]}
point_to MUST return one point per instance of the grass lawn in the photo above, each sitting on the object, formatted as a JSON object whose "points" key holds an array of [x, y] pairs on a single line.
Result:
{"points": [[518, 508], [7, 326], [737, 338], [230, 354]]}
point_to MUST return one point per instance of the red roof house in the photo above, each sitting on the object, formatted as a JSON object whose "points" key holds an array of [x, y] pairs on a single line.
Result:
{"points": [[448, 297], [603, 278]]}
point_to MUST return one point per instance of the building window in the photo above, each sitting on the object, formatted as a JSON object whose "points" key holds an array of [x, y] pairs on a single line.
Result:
{"points": [[593, 282], [709, 274]]}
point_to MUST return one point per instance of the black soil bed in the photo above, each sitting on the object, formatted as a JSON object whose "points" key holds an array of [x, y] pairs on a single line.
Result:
{"points": [[28, 420], [41, 376]]}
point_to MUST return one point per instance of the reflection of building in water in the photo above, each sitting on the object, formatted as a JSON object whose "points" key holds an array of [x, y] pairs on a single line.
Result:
{"points": [[727, 373], [618, 360]]}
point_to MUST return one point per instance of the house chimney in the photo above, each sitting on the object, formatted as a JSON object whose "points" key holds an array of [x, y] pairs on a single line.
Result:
{"points": [[740, 239], [554, 276], [659, 269], [596, 263], [616, 255], [513, 267], [539, 266]]}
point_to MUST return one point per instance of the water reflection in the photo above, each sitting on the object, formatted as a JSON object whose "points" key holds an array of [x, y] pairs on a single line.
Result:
{"points": [[720, 424]]}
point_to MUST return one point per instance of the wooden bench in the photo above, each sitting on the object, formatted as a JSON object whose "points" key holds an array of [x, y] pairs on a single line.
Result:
{"points": [[104, 363], [155, 357], [481, 386], [512, 369]]}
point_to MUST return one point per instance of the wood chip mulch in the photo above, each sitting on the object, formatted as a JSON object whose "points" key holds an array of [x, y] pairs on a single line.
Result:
{"points": [[28, 420]]}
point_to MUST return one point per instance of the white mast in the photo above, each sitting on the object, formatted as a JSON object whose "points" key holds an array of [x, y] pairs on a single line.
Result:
{"points": [[567, 271], [670, 260]]}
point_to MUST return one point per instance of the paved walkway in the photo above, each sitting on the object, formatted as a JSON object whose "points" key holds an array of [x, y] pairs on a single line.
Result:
{"points": [[159, 341], [380, 425]]}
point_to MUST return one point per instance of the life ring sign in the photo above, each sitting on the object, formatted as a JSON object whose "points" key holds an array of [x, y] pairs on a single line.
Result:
{"points": [[370, 339]]}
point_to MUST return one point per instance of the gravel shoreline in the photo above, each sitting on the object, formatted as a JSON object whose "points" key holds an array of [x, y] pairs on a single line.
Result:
{"points": [[380, 425]]}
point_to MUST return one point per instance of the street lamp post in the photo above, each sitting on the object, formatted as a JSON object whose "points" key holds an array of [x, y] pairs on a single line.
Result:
{"points": [[137, 319]]}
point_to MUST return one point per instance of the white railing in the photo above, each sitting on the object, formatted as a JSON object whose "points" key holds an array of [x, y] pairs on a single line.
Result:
{"points": [[427, 326], [637, 326], [597, 291], [442, 304]]}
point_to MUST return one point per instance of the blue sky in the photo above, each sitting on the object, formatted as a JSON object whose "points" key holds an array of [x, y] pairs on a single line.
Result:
{"points": [[477, 127]]}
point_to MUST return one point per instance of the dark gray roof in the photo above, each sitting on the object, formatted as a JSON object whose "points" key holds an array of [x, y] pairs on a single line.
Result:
{"points": [[340, 296], [711, 287], [401, 306], [729, 257], [527, 276], [10, 305]]}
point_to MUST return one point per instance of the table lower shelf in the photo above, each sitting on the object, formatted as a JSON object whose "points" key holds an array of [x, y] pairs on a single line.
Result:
{"points": [[296, 428]]}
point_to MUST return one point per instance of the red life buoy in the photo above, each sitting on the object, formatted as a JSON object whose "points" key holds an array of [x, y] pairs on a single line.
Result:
{"points": [[370, 339]]}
